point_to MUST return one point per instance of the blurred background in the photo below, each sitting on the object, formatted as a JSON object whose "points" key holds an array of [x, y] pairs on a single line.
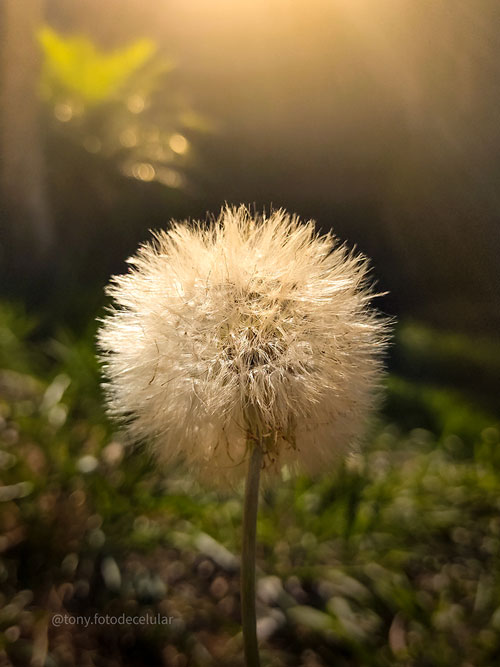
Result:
{"points": [[380, 120]]}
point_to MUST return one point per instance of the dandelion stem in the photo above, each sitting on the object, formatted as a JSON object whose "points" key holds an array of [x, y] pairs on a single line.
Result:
{"points": [[248, 616]]}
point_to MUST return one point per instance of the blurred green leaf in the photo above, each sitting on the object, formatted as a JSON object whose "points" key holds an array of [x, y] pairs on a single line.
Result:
{"points": [[75, 65]]}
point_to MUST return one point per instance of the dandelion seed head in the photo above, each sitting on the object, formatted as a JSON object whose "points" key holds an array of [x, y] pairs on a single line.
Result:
{"points": [[248, 326]]}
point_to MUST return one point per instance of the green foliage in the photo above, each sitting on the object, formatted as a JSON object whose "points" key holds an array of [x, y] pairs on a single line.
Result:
{"points": [[442, 410], [470, 365], [74, 65], [15, 329], [444, 381], [118, 105], [393, 559]]}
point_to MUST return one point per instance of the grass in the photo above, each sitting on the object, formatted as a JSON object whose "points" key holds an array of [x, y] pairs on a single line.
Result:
{"points": [[393, 559]]}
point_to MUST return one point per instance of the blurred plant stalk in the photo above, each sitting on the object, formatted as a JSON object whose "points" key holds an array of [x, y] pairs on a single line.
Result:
{"points": [[27, 217]]}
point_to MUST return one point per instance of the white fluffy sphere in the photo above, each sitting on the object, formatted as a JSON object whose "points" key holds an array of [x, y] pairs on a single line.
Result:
{"points": [[246, 314]]}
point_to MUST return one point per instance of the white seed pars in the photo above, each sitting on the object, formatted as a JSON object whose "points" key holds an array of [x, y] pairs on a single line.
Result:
{"points": [[243, 313]]}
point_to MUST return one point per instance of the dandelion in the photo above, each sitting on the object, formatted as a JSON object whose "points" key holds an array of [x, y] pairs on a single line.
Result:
{"points": [[245, 343]]}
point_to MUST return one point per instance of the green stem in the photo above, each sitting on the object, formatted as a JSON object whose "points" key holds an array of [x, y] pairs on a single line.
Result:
{"points": [[248, 616]]}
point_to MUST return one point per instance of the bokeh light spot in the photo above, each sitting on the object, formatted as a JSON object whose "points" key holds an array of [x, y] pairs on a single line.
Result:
{"points": [[136, 103], [128, 138], [143, 171], [92, 144], [170, 178], [63, 112], [178, 143]]}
